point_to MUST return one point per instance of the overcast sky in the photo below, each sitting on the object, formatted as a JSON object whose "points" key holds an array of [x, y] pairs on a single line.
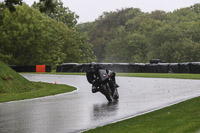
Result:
{"points": [[89, 10]]}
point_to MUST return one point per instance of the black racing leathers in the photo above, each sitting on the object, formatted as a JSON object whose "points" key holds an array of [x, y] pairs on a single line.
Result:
{"points": [[94, 79]]}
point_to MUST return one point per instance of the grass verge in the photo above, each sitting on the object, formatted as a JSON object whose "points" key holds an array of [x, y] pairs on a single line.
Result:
{"points": [[180, 118], [40, 90], [161, 75], [15, 87]]}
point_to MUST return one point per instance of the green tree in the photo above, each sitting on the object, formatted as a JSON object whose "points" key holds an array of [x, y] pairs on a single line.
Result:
{"points": [[129, 35], [46, 6], [56, 10], [29, 37], [127, 47], [11, 4], [115, 51], [133, 24], [158, 15], [184, 50], [2, 7]]}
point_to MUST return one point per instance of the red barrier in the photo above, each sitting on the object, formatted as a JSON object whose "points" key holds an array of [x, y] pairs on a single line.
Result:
{"points": [[40, 68]]}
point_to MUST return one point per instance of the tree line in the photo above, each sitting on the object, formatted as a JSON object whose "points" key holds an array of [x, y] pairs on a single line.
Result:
{"points": [[130, 35], [44, 33]]}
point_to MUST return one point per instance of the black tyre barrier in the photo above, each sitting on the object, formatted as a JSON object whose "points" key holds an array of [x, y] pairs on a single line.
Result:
{"points": [[58, 68], [134, 67], [192, 67], [120, 67], [81, 68], [85, 67], [24, 68], [73, 67], [142, 68], [48, 68], [28, 68], [68, 67], [184, 68], [173, 68], [157, 68], [163, 67], [195, 67], [107, 65]]}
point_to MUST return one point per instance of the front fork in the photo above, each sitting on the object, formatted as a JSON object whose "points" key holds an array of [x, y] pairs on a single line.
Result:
{"points": [[111, 84]]}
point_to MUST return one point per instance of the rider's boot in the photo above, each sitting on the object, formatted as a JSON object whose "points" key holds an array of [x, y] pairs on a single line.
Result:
{"points": [[94, 89]]}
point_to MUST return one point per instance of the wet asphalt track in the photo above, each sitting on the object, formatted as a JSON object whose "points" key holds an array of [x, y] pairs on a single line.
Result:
{"points": [[82, 110]]}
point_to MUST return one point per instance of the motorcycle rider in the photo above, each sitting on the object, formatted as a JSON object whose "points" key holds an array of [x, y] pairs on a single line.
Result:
{"points": [[93, 77]]}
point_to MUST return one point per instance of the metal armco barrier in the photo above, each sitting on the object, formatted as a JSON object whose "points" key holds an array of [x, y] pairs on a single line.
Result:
{"points": [[189, 67]]}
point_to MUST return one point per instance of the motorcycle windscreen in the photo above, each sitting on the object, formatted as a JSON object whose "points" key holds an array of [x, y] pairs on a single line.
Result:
{"points": [[103, 75]]}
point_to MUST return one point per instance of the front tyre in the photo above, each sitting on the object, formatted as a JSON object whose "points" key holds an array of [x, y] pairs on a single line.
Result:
{"points": [[116, 94], [107, 92]]}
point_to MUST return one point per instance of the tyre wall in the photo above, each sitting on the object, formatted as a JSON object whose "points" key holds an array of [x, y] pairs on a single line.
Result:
{"points": [[190, 67], [33, 68]]}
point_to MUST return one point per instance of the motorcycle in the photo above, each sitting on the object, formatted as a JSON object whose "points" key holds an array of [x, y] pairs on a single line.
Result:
{"points": [[106, 85]]}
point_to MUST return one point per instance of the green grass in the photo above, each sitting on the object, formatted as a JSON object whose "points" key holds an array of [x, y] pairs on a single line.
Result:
{"points": [[180, 118], [15, 87], [40, 90], [12, 82], [161, 75]]}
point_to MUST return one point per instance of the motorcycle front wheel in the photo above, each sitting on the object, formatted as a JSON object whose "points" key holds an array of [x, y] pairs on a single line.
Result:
{"points": [[116, 94], [107, 92]]}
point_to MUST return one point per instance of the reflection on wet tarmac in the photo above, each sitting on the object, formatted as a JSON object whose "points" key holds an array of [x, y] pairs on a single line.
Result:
{"points": [[101, 111]]}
